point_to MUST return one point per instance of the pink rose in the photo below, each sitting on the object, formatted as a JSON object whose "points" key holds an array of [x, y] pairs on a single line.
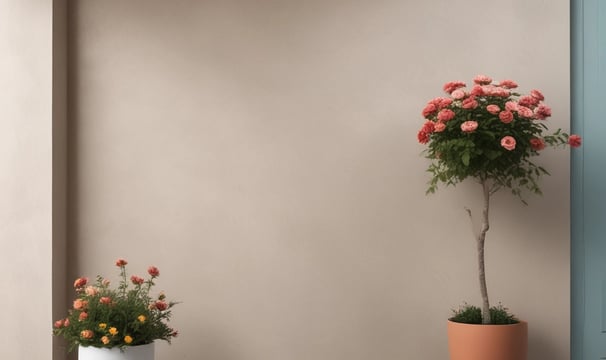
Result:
{"points": [[458, 94], [482, 80], [58, 323], [449, 87], [469, 103], [154, 272], [87, 334], [511, 106], [542, 112], [444, 102], [477, 90], [80, 282], [91, 291], [161, 305], [537, 144], [66, 322], [506, 116], [508, 84], [429, 110], [445, 115], [439, 127], [428, 127], [106, 300], [528, 101], [469, 126], [121, 263], [423, 137], [574, 141], [537, 95], [83, 316], [525, 112], [508, 143], [493, 109], [136, 280]]}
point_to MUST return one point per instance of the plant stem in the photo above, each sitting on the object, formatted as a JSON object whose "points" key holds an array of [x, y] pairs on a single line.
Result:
{"points": [[480, 247]]}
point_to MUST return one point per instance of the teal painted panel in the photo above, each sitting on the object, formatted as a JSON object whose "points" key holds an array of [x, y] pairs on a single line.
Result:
{"points": [[588, 178]]}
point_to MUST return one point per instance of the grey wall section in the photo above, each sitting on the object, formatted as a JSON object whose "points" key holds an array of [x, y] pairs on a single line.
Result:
{"points": [[26, 126], [263, 155]]}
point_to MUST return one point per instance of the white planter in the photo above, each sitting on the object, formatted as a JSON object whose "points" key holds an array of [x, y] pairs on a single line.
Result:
{"points": [[139, 352]]}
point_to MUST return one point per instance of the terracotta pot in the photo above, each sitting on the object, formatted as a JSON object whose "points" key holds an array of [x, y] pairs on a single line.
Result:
{"points": [[482, 342]]}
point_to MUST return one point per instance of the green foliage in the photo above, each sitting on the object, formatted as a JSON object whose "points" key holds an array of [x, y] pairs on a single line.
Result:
{"points": [[469, 314], [498, 113], [126, 316]]}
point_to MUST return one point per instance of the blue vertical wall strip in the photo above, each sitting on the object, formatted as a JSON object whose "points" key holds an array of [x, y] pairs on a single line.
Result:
{"points": [[577, 250]]}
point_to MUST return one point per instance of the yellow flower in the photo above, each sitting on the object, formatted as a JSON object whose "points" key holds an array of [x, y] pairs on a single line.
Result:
{"points": [[113, 330], [141, 318], [105, 340], [102, 326], [128, 339]]}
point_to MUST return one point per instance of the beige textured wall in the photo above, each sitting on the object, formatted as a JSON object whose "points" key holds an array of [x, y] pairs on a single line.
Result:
{"points": [[26, 178], [263, 155]]}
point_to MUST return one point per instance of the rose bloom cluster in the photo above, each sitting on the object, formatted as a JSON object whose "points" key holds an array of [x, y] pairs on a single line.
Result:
{"points": [[487, 131], [127, 316]]}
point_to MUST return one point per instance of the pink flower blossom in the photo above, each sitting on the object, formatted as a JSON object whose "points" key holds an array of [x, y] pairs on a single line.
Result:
{"points": [[493, 109], [429, 110], [137, 280], [444, 102], [439, 127], [83, 316], [80, 304], [87, 334], [161, 305], [105, 300], [423, 137], [508, 84], [482, 80], [542, 112], [537, 94], [154, 272], [458, 94], [525, 112], [537, 144], [506, 116], [574, 140], [528, 101], [511, 106], [451, 86], [508, 142], [58, 323], [91, 291], [66, 323], [445, 115], [80, 282], [469, 126], [121, 263], [477, 90], [428, 127], [469, 103]]}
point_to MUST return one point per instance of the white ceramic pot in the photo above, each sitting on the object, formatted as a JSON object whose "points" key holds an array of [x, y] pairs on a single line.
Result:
{"points": [[139, 352]]}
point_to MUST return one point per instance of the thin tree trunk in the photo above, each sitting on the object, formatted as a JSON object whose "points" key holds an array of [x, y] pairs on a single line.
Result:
{"points": [[480, 246]]}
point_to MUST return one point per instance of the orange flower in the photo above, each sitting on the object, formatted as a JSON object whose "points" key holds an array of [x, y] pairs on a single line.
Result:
{"points": [[87, 334], [141, 318], [80, 282], [80, 304], [113, 331], [105, 340], [128, 339]]}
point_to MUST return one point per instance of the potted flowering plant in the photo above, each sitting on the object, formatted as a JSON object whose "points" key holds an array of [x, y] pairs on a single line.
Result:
{"points": [[119, 318], [489, 133]]}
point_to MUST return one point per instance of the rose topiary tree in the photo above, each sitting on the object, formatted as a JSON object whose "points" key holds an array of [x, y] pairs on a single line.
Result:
{"points": [[489, 133]]}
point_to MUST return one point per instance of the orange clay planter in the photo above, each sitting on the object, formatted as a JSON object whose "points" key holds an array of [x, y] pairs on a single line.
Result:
{"points": [[483, 342]]}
